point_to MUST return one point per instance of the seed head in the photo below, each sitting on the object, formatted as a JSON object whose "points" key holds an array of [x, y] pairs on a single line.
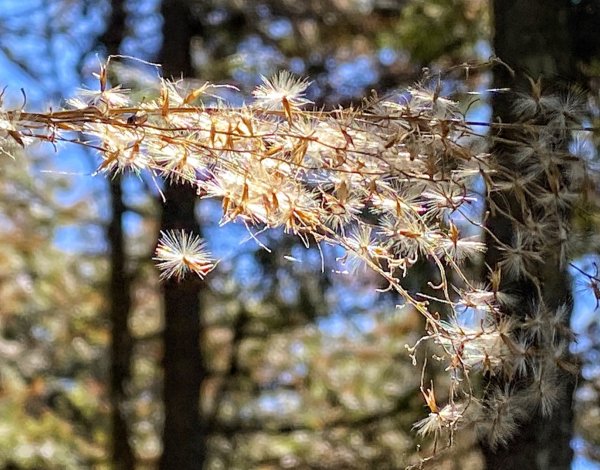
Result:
{"points": [[179, 252]]}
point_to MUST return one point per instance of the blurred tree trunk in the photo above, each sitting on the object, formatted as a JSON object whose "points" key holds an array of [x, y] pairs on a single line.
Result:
{"points": [[119, 283], [183, 435], [533, 37]]}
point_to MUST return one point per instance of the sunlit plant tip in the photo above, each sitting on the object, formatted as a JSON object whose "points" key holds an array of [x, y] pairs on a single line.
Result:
{"points": [[179, 252], [281, 90]]}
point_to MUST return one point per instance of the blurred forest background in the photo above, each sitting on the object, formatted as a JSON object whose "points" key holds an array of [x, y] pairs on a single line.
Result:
{"points": [[271, 363]]}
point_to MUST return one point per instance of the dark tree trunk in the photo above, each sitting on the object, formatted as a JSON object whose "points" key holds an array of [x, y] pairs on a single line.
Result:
{"points": [[121, 344], [533, 37], [119, 284], [184, 435]]}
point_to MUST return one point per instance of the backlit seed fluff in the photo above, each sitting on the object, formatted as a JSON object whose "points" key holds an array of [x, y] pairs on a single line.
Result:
{"points": [[179, 252]]}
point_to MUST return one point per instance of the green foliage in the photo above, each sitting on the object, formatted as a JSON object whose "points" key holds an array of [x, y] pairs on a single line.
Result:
{"points": [[53, 341], [441, 30]]}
